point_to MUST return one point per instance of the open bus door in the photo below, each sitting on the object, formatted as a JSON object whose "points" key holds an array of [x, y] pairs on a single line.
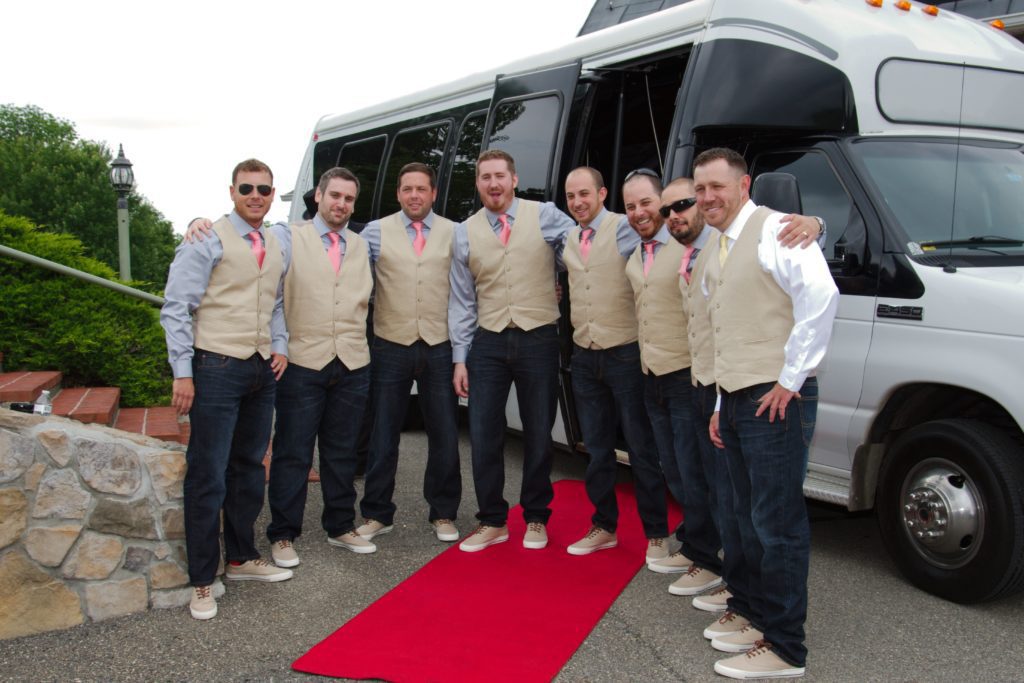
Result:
{"points": [[528, 117]]}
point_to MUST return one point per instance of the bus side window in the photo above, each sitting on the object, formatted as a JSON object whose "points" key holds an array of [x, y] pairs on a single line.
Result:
{"points": [[425, 145], [524, 129], [462, 183], [822, 194], [363, 158]]}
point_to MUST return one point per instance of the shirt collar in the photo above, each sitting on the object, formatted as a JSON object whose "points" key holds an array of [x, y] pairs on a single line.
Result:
{"points": [[427, 221], [736, 227], [598, 219], [241, 226], [322, 228], [662, 236], [492, 217]]}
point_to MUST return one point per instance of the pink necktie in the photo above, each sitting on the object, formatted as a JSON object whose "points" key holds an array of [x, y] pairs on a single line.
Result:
{"points": [[684, 269], [419, 241], [334, 251], [257, 247], [649, 248], [506, 230], [587, 235]]}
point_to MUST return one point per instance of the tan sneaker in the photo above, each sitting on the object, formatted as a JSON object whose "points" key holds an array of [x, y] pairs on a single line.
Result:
{"points": [[596, 539], [370, 528], [715, 601], [483, 537], [726, 625], [657, 549], [536, 536], [695, 580], [257, 570], [759, 662], [202, 605], [740, 641], [445, 530], [284, 553], [673, 564], [355, 542]]}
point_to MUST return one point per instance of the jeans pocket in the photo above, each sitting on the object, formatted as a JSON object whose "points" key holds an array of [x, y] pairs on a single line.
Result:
{"points": [[211, 361]]}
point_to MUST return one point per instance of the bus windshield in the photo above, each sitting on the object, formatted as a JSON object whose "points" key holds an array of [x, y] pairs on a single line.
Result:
{"points": [[964, 197]]}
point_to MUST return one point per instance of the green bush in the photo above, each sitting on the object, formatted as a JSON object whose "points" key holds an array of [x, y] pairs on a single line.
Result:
{"points": [[95, 336]]}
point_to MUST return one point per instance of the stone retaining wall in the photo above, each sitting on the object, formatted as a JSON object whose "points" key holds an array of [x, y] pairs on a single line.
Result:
{"points": [[91, 524]]}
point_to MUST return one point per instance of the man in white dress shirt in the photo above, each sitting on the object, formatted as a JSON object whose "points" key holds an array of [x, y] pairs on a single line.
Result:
{"points": [[771, 311]]}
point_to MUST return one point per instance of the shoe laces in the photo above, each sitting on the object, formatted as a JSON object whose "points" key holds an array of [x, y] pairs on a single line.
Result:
{"points": [[594, 532], [535, 527], [284, 544], [204, 592], [727, 617], [656, 543], [442, 522], [760, 647], [260, 562], [693, 570]]}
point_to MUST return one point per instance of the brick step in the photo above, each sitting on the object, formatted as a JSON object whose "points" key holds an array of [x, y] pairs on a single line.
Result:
{"points": [[158, 422], [26, 386], [88, 404]]}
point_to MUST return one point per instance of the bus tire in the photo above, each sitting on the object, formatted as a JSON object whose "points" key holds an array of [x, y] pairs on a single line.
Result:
{"points": [[950, 509]]}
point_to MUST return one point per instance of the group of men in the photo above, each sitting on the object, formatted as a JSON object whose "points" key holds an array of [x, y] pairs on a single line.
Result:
{"points": [[659, 322]]}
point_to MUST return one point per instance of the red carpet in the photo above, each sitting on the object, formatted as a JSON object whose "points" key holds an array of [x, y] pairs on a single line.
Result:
{"points": [[502, 614]]}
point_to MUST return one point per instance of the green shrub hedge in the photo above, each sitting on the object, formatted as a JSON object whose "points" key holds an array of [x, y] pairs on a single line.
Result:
{"points": [[95, 336]]}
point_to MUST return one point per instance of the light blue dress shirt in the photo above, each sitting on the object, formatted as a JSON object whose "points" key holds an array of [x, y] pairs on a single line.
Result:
{"points": [[462, 312], [187, 281]]}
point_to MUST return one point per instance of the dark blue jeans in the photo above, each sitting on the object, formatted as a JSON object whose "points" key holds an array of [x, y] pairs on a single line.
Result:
{"points": [[717, 473], [496, 360], [608, 385], [322, 408], [394, 368], [669, 400], [767, 463], [231, 419]]}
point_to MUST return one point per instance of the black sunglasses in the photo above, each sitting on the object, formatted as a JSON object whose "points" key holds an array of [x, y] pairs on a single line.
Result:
{"points": [[245, 189], [641, 171], [678, 206]]}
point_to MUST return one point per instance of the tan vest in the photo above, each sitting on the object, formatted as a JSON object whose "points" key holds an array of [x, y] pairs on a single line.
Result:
{"points": [[602, 300], [659, 310], [751, 317], [515, 283], [326, 313], [233, 317], [698, 324], [412, 291]]}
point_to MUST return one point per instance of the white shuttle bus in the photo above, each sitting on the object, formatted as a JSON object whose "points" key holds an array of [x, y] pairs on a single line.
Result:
{"points": [[903, 128]]}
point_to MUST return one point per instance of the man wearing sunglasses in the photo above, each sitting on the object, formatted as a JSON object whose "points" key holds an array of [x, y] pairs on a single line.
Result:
{"points": [[502, 322], [411, 250], [606, 376], [770, 314], [227, 344], [322, 396]]}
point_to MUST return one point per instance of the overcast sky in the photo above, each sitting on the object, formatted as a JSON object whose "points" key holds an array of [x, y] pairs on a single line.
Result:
{"points": [[191, 88]]}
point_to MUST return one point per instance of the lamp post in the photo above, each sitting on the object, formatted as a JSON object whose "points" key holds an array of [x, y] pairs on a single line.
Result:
{"points": [[123, 180]]}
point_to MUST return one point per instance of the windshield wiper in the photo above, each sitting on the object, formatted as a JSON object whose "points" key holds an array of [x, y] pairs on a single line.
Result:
{"points": [[976, 241]]}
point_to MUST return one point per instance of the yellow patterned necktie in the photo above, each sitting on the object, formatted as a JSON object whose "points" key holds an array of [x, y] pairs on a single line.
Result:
{"points": [[723, 249]]}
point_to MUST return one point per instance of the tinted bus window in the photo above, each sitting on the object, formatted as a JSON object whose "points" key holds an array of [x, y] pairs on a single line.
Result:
{"points": [[526, 130], [363, 158], [462, 185], [425, 145]]}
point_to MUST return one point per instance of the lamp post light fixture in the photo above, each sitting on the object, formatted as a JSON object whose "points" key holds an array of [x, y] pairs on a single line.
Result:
{"points": [[122, 180]]}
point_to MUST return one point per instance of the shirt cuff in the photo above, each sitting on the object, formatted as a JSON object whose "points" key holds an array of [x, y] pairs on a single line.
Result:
{"points": [[459, 354], [182, 368], [280, 348]]}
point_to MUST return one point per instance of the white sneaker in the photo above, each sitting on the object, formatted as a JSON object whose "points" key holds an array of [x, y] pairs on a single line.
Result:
{"points": [[371, 528], [760, 662], [284, 553], [445, 530], [657, 550], [354, 542], [536, 536]]}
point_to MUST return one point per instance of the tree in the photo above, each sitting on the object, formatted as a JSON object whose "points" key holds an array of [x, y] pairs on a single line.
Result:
{"points": [[60, 183]]}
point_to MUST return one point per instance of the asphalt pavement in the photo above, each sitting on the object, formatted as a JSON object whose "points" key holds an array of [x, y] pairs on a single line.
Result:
{"points": [[865, 623]]}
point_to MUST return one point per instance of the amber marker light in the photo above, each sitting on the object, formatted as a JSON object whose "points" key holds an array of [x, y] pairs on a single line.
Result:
{"points": [[931, 9], [874, 3], [903, 5], [997, 23]]}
